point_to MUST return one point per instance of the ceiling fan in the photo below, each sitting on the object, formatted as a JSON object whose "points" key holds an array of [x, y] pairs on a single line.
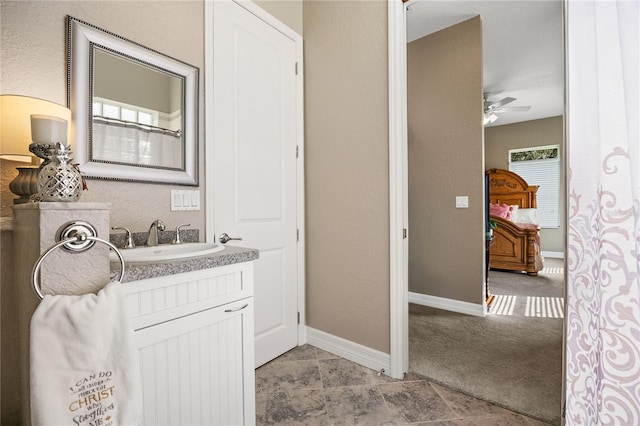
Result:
{"points": [[493, 107]]}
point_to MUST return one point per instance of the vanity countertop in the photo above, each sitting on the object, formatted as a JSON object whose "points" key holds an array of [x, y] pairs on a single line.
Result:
{"points": [[135, 271]]}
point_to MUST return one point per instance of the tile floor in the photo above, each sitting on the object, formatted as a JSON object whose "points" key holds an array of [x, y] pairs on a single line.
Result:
{"points": [[309, 386]]}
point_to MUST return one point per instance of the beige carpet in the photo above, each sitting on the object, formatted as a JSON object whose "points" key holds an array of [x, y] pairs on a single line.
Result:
{"points": [[513, 360]]}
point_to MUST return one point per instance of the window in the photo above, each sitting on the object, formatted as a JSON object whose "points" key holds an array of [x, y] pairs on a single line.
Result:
{"points": [[541, 166], [127, 114], [116, 110]]}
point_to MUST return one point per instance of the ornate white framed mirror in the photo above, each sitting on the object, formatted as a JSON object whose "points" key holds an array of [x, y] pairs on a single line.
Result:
{"points": [[135, 110]]}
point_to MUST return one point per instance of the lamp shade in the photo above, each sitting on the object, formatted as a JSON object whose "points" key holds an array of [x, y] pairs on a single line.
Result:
{"points": [[16, 121]]}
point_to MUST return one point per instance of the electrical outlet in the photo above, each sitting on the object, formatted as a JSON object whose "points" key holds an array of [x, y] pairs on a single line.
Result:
{"points": [[462, 202]]}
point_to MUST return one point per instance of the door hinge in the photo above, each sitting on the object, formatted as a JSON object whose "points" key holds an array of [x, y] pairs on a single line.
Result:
{"points": [[404, 233], [297, 151], [297, 235], [296, 68], [298, 317]]}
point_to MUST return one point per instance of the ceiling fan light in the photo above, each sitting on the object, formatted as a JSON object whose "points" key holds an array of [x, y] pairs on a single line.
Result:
{"points": [[489, 118]]}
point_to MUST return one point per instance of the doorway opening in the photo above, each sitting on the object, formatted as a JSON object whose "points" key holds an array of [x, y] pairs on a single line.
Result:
{"points": [[397, 59]]}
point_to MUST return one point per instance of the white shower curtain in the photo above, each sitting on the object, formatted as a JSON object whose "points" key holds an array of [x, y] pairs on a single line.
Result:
{"points": [[130, 144], [603, 294]]}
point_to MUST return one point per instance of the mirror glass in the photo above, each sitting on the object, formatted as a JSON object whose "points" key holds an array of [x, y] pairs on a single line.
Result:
{"points": [[136, 113], [135, 109]]}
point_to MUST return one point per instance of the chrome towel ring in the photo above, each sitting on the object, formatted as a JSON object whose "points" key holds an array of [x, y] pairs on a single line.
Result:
{"points": [[81, 237]]}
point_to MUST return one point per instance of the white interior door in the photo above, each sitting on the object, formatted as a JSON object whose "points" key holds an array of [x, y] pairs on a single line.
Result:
{"points": [[255, 163]]}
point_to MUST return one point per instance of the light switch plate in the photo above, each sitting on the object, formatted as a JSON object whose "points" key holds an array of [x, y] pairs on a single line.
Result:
{"points": [[185, 200], [462, 202]]}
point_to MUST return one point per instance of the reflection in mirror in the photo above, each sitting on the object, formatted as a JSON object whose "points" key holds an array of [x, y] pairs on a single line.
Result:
{"points": [[137, 113], [135, 109]]}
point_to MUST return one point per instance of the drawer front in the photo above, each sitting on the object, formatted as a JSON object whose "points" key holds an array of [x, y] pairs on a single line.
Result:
{"points": [[161, 299]]}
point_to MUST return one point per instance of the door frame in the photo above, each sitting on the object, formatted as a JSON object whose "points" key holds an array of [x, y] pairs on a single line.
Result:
{"points": [[398, 191], [208, 133], [398, 186]]}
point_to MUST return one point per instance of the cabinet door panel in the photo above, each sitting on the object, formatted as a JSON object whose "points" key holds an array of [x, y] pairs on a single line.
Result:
{"points": [[194, 370]]}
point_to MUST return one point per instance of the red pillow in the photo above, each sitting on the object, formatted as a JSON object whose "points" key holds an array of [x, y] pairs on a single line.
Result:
{"points": [[501, 210]]}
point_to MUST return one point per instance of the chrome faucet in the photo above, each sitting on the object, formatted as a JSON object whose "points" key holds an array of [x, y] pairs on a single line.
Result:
{"points": [[177, 239], [128, 238], [156, 225]]}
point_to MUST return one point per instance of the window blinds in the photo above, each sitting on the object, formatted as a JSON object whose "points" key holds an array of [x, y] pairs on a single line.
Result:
{"points": [[545, 174]]}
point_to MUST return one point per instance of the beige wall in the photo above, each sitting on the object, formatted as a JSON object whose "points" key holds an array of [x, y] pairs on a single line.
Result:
{"points": [[288, 12], [122, 80], [548, 131], [446, 244], [33, 55], [33, 63], [347, 174]]}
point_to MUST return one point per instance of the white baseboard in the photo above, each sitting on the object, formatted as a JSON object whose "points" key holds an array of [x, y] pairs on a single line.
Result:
{"points": [[447, 304], [552, 254], [347, 349]]}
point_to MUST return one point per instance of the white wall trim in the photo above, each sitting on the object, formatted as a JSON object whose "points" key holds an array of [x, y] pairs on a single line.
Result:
{"points": [[552, 254], [447, 304], [302, 245], [398, 191], [208, 122], [347, 349]]}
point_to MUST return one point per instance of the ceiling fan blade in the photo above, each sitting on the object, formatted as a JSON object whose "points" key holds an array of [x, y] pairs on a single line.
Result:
{"points": [[499, 104], [513, 109]]}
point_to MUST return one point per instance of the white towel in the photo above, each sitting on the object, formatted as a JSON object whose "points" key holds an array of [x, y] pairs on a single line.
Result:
{"points": [[84, 365]]}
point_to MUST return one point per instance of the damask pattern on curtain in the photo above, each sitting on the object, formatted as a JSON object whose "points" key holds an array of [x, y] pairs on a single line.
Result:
{"points": [[603, 254]]}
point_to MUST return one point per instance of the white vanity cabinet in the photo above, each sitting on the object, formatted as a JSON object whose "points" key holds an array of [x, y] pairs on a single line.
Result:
{"points": [[194, 333]]}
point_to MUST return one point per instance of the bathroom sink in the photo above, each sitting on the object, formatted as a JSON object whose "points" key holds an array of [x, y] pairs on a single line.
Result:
{"points": [[167, 252]]}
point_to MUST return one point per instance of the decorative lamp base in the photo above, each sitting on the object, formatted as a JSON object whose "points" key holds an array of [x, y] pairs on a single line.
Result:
{"points": [[25, 184]]}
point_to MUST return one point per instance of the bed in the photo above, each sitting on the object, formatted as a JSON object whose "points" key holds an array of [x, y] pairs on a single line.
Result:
{"points": [[516, 240]]}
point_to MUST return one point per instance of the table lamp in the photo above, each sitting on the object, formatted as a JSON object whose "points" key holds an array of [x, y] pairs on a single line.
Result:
{"points": [[22, 120]]}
